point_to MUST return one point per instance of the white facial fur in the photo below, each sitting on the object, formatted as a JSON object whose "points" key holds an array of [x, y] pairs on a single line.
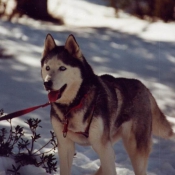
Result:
{"points": [[71, 76]]}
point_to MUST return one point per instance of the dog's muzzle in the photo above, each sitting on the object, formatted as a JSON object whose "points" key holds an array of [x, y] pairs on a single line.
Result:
{"points": [[48, 85]]}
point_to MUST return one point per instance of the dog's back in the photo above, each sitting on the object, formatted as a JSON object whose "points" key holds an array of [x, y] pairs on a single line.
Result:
{"points": [[139, 104]]}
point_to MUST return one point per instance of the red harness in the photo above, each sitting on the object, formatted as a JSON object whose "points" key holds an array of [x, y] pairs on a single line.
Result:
{"points": [[65, 122]]}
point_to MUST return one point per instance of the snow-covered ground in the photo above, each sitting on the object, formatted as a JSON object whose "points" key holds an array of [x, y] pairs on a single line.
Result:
{"points": [[123, 47]]}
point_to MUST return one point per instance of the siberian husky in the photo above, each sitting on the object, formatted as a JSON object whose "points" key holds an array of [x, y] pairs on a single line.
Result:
{"points": [[98, 110]]}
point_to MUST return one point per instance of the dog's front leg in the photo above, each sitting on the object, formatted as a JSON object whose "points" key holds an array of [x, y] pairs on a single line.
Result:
{"points": [[107, 158], [101, 143], [66, 150]]}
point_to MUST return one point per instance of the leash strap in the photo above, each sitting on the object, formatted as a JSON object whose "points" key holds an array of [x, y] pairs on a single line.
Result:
{"points": [[22, 112]]}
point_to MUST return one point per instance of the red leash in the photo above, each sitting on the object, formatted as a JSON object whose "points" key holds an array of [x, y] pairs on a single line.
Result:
{"points": [[53, 95], [22, 112]]}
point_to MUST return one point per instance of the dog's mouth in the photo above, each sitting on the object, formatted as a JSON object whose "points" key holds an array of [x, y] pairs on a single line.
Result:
{"points": [[54, 95]]}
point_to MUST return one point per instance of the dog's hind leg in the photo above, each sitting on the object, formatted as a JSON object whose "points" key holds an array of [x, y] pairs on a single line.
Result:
{"points": [[138, 155]]}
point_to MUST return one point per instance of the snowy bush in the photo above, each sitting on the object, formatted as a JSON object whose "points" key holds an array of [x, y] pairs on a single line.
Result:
{"points": [[15, 145]]}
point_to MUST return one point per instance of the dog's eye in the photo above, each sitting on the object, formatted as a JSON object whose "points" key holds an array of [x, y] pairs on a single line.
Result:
{"points": [[62, 68], [47, 68]]}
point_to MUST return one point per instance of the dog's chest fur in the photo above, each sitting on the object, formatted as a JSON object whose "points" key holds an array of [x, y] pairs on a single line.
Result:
{"points": [[76, 124]]}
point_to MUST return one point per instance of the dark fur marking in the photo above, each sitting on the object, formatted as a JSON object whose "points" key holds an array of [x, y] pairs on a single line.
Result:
{"points": [[53, 52]]}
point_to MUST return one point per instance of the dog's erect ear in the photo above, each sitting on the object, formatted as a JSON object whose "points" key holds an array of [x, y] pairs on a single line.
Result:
{"points": [[48, 45], [73, 47]]}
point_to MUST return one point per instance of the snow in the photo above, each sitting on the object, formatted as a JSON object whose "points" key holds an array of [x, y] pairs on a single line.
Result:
{"points": [[124, 47]]}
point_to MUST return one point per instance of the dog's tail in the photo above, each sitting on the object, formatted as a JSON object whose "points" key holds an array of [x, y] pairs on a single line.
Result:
{"points": [[160, 125]]}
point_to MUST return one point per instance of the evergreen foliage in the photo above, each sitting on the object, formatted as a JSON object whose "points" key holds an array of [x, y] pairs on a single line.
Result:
{"points": [[15, 139]]}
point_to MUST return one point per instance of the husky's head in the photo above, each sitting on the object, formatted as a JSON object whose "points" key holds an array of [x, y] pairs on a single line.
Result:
{"points": [[63, 69]]}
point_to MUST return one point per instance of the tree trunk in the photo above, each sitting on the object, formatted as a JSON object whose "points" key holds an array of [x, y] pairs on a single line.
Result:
{"points": [[113, 4], [36, 9], [151, 5]]}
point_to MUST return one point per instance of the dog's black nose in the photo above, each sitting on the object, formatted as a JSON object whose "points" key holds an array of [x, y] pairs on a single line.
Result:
{"points": [[48, 85]]}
